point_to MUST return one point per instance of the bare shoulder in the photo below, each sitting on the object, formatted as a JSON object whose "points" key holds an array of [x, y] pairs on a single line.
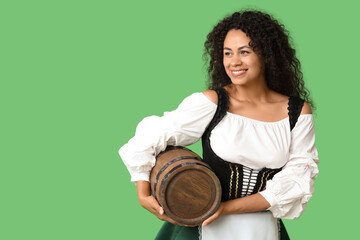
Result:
{"points": [[211, 95], [306, 109]]}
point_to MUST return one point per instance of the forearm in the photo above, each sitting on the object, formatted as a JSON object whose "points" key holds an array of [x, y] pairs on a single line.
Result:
{"points": [[143, 189], [252, 203]]}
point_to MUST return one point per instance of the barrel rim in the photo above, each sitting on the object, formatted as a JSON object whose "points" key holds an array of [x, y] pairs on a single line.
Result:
{"points": [[212, 209]]}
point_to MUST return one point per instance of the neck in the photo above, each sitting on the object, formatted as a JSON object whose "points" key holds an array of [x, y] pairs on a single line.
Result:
{"points": [[258, 92]]}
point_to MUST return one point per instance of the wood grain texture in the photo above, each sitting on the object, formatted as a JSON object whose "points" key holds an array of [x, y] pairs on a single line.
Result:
{"points": [[185, 186]]}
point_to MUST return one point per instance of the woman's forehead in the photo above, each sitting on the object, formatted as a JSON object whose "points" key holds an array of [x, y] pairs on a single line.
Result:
{"points": [[236, 38]]}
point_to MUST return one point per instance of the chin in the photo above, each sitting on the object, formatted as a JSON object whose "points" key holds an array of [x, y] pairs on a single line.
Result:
{"points": [[238, 81]]}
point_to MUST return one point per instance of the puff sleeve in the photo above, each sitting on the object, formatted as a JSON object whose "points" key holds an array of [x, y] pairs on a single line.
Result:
{"points": [[181, 127], [291, 188]]}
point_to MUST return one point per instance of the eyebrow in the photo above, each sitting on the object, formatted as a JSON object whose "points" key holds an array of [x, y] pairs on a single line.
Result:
{"points": [[226, 48]]}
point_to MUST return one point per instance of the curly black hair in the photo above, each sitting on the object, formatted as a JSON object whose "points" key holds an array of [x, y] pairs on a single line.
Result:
{"points": [[270, 40]]}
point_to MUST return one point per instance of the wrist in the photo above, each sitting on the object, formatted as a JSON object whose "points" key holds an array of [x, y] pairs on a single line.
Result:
{"points": [[226, 207]]}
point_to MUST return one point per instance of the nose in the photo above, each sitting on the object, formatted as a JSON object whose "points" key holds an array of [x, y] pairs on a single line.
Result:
{"points": [[236, 60]]}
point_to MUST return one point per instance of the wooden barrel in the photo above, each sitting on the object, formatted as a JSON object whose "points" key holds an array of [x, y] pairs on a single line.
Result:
{"points": [[185, 186]]}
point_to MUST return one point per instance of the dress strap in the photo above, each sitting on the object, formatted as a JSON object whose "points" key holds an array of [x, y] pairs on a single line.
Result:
{"points": [[222, 107], [294, 106]]}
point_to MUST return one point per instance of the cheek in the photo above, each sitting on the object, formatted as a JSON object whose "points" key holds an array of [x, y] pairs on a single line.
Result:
{"points": [[226, 63]]}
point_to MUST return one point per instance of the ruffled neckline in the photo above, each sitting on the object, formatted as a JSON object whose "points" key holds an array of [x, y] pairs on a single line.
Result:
{"points": [[234, 115]]}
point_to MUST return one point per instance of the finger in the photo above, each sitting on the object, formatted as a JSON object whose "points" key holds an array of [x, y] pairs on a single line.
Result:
{"points": [[168, 219], [161, 211], [171, 221], [209, 220], [154, 205], [187, 225]]}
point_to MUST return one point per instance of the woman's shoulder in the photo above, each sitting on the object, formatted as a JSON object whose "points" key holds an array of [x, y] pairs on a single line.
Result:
{"points": [[196, 101], [211, 95], [306, 109]]}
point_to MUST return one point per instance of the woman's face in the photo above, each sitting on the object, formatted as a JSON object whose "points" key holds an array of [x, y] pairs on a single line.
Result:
{"points": [[242, 64]]}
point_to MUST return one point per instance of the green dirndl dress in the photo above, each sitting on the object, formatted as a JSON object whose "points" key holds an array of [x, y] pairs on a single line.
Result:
{"points": [[176, 232], [170, 231]]}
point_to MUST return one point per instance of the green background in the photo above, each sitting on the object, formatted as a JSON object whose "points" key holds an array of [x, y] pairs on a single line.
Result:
{"points": [[77, 77]]}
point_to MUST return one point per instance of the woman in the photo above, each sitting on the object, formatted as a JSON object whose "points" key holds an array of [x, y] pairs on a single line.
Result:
{"points": [[257, 132]]}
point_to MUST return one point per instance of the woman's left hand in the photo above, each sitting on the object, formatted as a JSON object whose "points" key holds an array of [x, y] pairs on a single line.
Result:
{"points": [[215, 216]]}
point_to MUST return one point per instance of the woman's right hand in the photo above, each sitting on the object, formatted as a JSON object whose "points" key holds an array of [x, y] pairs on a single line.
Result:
{"points": [[148, 202]]}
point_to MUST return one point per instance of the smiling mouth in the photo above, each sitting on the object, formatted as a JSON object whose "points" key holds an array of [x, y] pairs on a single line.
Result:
{"points": [[238, 72]]}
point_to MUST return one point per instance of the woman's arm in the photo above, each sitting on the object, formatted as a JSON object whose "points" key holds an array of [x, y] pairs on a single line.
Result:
{"points": [[253, 203], [288, 192], [180, 127], [290, 189]]}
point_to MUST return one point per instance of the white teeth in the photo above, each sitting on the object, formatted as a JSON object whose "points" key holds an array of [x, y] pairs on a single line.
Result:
{"points": [[236, 72]]}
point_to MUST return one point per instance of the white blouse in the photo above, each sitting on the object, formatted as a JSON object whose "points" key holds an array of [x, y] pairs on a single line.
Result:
{"points": [[252, 143]]}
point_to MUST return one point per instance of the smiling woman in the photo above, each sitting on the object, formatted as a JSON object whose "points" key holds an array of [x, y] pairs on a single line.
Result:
{"points": [[257, 132], [241, 63]]}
